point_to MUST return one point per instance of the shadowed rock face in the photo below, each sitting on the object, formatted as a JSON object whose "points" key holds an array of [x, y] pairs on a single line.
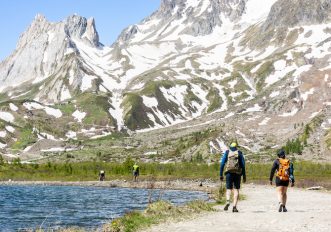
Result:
{"points": [[285, 13]]}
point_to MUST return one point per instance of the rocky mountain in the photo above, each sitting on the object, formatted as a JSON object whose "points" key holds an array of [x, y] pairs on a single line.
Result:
{"points": [[253, 70]]}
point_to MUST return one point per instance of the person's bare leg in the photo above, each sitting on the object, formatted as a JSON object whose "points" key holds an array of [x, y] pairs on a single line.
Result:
{"points": [[280, 194], [280, 198], [235, 197], [284, 199], [228, 197], [284, 195]]}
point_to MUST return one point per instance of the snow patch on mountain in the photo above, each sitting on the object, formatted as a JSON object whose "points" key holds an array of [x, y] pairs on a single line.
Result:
{"points": [[10, 129], [71, 135], [8, 117], [290, 114], [65, 94], [264, 122], [255, 108], [305, 95], [87, 82], [13, 107], [3, 134], [49, 110], [150, 101], [274, 94], [116, 111], [256, 11], [79, 116], [2, 145]]}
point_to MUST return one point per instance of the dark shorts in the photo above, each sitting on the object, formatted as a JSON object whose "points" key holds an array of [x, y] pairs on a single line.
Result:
{"points": [[232, 180], [282, 182], [135, 173]]}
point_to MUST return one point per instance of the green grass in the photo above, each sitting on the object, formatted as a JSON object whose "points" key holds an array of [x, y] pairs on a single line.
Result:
{"points": [[67, 109], [86, 171], [25, 138], [266, 69], [135, 116], [328, 139], [155, 213], [152, 87], [96, 108], [214, 99]]}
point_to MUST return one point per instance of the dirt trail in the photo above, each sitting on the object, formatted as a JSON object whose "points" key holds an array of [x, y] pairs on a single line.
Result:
{"points": [[307, 211]]}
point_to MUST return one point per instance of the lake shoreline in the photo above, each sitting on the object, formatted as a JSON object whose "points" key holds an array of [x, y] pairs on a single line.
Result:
{"points": [[190, 185]]}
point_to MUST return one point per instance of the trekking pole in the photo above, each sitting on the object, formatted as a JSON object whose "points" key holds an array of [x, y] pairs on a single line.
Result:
{"points": [[221, 191]]}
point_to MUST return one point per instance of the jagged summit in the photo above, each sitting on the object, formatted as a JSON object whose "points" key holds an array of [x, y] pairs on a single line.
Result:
{"points": [[80, 27], [42, 49]]}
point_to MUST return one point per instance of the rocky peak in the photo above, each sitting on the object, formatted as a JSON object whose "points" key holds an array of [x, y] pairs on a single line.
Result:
{"points": [[285, 13], [199, 17], [91, 32], [168, 6], [79, 27], [38, 27]]}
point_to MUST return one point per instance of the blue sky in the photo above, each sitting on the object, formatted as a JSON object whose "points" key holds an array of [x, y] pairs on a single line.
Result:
{"points": [[111, 16]]}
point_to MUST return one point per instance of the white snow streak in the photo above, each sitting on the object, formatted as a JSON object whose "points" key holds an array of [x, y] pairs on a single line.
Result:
{"points": [[8, 117], [79, 116], [264, 122], [255, 108], [150, 101], [10, 129], [274, 94], [13, 107], [117, 111], [305, 95], [50, 111], [290, 114], [53, 112], [3, 134]]}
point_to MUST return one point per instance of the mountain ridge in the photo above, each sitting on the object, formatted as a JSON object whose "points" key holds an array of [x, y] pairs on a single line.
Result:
{"points": [[219, 62]]}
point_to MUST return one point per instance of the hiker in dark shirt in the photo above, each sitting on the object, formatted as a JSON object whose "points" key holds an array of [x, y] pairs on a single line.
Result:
{"points": [[284, 175], [102, 175]]}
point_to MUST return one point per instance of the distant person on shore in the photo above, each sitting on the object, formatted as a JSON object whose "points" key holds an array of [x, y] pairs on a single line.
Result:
{"points": [[284, 174], [235, 168], [135, 172], [102, 175]]}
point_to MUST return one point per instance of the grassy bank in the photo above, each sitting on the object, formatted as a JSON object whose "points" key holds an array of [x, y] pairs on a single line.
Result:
{"points": [[156, 213], [306, 173]]}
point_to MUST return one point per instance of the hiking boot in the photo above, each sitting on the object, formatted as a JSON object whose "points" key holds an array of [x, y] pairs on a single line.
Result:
{"points": [[284, 208], [235, 210], [280, 208], [226, 207]]}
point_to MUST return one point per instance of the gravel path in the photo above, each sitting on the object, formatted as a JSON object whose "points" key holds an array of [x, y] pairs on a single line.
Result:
{"points": [[307, 211]]}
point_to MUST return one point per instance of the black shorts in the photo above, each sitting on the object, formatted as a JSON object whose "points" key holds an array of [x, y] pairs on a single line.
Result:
{"points": [[280, 182], [232, 179], [135, 173]]}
